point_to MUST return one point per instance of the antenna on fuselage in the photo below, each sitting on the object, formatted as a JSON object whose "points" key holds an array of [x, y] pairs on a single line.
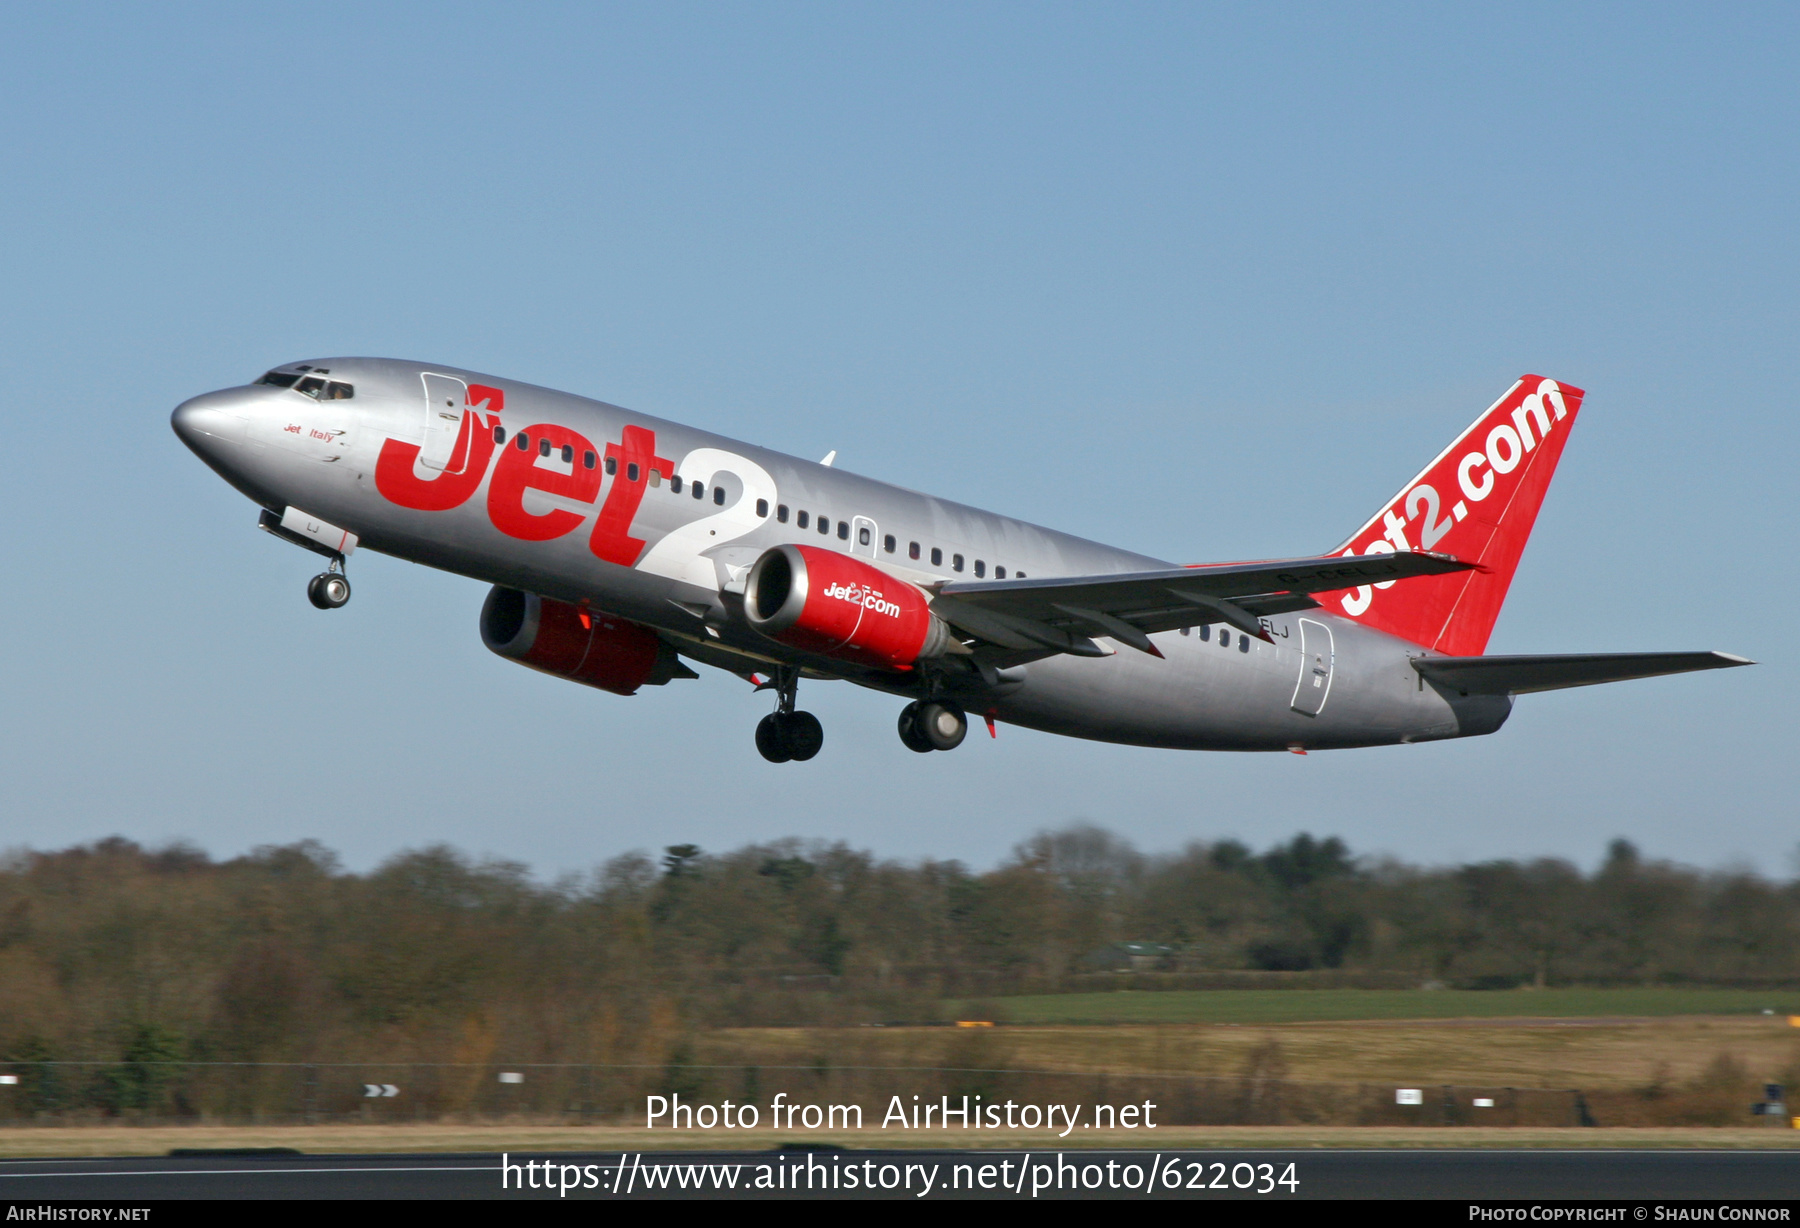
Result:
{"points": [[829, 457]]}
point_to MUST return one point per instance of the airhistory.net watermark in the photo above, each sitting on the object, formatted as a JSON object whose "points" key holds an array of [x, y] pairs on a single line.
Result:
{"points": [[1024, 1176], [922, 1113]]}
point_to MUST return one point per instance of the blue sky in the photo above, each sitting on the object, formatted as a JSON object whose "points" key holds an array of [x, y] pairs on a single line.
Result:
{"points": [[1204, 282]]}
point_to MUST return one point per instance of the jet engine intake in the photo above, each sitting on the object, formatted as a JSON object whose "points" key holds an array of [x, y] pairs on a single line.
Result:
{"points": [[838, 606], [585, 646]]}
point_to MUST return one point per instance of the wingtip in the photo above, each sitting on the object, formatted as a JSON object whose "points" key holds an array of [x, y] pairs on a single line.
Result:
{"points": [[1731, 658]]}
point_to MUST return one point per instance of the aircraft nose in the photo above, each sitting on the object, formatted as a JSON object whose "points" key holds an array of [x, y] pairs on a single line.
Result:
{"points": [[205, 422]]}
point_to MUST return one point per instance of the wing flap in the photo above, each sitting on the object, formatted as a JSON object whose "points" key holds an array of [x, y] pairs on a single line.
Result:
{"points": [[1520, 675], [1012, 631]]}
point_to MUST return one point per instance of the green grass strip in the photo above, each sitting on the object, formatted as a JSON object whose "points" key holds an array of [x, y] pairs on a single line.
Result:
{"points": [[1326, 1005]]}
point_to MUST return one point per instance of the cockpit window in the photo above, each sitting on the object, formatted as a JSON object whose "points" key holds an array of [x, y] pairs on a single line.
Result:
{"points": [[279, 379], [316, 388]]}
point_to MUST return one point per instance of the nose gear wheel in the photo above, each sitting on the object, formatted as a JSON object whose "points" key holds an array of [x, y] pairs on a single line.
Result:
{"points": [[329, 590]]}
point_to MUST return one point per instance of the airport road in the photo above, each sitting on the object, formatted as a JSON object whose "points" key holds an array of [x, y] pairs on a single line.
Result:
{"points": [[1412, 1174]]}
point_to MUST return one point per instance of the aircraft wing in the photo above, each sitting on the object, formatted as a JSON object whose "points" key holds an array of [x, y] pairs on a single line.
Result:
{"points": [[1519, 675], [1064, 613]]}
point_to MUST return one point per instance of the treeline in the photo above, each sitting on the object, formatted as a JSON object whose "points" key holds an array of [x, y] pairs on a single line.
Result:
{"points": [[112, 950]]}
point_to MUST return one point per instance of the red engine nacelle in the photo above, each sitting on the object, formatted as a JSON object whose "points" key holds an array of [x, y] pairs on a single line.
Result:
{"points": [[837, 606], [583, 646]]}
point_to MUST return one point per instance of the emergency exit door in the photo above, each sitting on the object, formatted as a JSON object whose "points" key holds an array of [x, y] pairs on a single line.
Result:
{"points": [[1316, 654]]}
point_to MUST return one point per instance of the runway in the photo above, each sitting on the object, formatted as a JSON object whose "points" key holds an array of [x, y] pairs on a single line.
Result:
{"points": [[1617, 1176]]}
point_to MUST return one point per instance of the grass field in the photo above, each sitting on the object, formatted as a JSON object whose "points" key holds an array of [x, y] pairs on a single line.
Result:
{"points": [[1251, 1006], [1595, 1054]]}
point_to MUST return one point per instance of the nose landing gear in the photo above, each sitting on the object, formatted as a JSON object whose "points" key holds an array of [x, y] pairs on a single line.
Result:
{"points": [[931, 724], [329, 590], [785, 734]]}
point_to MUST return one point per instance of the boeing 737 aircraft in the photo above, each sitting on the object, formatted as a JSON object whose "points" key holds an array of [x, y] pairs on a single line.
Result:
{"points": [[622, 547]]}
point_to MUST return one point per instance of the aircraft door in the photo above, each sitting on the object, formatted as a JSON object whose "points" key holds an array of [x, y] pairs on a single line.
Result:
{"points": [[445, 396], [1316, 659], [863, 535]]}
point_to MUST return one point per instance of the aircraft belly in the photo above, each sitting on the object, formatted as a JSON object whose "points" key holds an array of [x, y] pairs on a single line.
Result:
{"points": [[1206, 697]]}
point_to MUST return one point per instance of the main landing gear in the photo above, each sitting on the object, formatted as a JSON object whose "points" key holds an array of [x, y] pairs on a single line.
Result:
{"points": [[932, 724], [330, 589], [785, 734]]}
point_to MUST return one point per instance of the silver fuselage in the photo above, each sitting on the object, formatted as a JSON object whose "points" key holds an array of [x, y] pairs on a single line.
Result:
{"points": [[283, 449]]}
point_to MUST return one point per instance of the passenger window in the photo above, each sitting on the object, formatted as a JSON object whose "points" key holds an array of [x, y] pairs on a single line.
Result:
{"points": [[612, 464], [568, 454], [937, 557], [310, 386], [999, 572], [631, 472], [587, 460], [1224, 638], [889, 544], [1018, 575], [912, 550], [781, 513], [699, 489], [844, 531], [522, 442], [1205, 632], [980, 569], [762, 507], [956, 562], [543, 447], [719, 495], [675, 484], [499, 434], [1243, 643], [825, 525], [1186, 630], [335, 391], [801, 520]]}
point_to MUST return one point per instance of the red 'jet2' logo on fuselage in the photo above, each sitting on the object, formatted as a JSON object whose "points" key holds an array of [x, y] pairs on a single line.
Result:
{"points": [[629, 462]]}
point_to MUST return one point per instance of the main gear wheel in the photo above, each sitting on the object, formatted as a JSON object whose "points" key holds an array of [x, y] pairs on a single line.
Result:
{"points": [[781, 736], [931, 724]]}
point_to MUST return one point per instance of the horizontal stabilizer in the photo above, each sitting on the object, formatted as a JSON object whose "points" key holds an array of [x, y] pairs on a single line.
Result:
{"points": [[1518, 675]]}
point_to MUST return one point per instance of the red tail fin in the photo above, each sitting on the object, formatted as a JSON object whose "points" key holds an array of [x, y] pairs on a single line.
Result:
{"points": [[1477, 501]]}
